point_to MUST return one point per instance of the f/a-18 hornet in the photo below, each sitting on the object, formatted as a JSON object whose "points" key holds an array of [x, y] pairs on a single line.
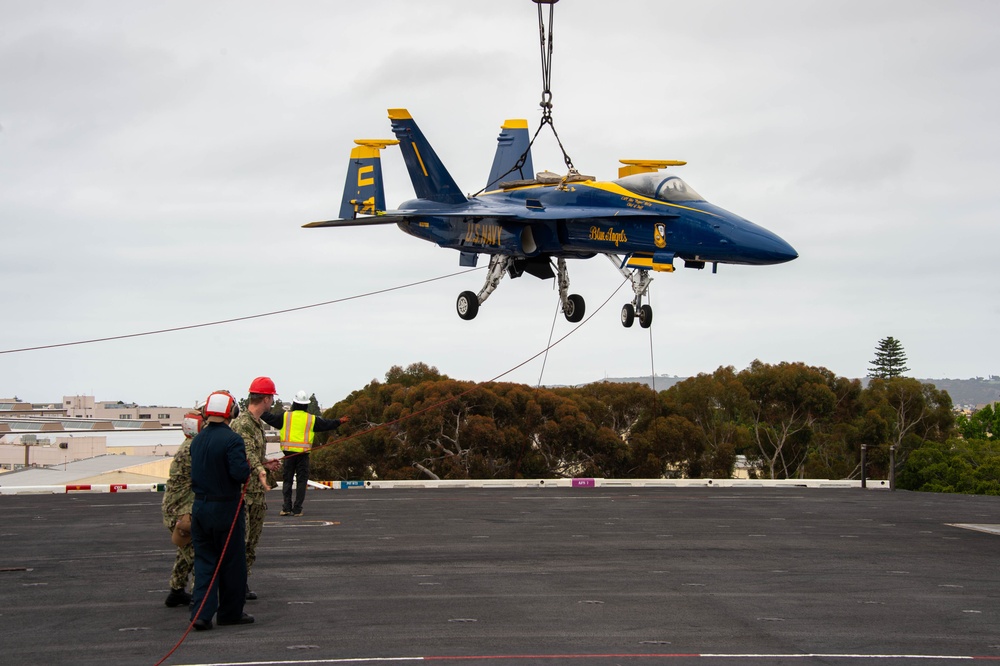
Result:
{"points": [[642, 221]]}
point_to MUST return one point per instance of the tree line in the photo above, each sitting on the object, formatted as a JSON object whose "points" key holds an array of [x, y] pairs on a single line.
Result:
{"points": [[789, 420]]}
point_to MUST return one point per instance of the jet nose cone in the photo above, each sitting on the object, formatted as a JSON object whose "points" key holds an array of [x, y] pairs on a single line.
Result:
{"points": [[782, 251], [764, 247]]}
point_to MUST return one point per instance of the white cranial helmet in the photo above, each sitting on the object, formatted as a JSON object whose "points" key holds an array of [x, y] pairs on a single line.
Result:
{"points": [[301, 398]]}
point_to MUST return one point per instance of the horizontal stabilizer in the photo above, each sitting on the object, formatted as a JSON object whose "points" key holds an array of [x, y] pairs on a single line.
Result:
{"points": [[357, 222]]}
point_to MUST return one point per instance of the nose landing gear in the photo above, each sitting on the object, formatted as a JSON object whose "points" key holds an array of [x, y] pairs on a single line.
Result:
{"points": [[640, 287]]}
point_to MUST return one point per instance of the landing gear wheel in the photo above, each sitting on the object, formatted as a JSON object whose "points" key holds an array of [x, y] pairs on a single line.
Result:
{"points": [[574, 308], [467, 305], [645, 316], [628, 315]]}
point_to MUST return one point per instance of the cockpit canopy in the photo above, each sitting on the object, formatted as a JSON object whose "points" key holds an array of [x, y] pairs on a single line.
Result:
{"points": [[658, 185]]}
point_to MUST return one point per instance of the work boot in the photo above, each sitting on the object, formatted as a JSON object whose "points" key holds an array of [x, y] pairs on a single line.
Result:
{"points": [[177, 598], [251, 595], [285, 512], [243, 619], [296, 513]]}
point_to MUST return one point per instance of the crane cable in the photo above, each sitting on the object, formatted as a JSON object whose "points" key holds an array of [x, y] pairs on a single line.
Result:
{"points": [[546, 51], [546, 103]]}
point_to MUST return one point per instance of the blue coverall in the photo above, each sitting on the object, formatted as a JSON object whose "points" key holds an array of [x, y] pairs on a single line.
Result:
{"points": [[219, 469]]}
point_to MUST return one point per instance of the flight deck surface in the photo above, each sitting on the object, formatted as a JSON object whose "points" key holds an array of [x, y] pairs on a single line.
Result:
{"points": [[516, 576]]}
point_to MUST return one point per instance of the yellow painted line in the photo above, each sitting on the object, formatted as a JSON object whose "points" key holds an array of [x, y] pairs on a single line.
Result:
{"points": [[420, 159]]}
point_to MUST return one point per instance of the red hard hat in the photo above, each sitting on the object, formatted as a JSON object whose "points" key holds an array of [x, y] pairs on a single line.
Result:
{"points": [[263, 386]]}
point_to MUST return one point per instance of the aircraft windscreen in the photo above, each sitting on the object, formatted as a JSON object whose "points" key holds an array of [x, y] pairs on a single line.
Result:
{"points": [[656, 185]]}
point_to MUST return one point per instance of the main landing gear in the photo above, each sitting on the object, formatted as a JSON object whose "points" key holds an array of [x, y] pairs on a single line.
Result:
{"points": [[573, 305], [640, 286]]}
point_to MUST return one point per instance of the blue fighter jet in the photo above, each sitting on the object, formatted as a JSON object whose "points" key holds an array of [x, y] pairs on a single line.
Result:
{"points": [[528, 223]]}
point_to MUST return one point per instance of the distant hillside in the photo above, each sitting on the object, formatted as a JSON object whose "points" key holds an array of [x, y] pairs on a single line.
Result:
{"points": [[968, 392], [663, 382]]}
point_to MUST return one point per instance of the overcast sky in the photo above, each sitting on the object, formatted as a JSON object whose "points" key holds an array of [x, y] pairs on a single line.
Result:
{"points": [[158, 158]]}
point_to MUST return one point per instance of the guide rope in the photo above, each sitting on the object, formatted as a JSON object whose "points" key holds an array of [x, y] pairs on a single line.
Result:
{"points": [[388, 424], [234, 319], [552, 331]]}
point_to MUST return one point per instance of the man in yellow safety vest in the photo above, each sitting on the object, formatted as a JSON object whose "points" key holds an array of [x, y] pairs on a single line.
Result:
{"points": [[297, 431]]}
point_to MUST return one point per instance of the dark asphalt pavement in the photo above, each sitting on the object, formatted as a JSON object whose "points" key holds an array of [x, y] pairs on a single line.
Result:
{"points": [[516, 576]]}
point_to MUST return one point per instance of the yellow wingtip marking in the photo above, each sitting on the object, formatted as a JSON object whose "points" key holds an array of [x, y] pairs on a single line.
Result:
{"points": [[399, 114]]}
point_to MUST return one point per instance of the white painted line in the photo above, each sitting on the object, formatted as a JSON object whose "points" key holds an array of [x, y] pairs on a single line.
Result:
{"points": [[989, 529]]}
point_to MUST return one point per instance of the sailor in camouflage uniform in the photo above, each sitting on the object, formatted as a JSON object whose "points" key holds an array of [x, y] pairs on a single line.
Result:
{"points": [[177, 501], [249, 426]]}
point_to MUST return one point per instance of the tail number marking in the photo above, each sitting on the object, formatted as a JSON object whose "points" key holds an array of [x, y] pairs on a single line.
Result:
{"points": [[362, 172]]}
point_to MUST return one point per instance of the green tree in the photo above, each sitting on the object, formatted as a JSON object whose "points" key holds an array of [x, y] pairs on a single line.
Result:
{"points": [[983, 424], [278, 408], [954, 466], [890, 359], [715, 405], [903, 413], [785, 403], [835, 449]]}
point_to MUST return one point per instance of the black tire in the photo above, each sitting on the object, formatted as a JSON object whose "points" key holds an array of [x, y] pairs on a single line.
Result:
{"points": [[645, 316], [467, 305], [575, 308], [628, 315]]}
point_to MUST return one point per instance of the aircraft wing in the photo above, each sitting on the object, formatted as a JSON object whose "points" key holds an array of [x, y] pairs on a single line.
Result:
{"points": [[523, 215], [359, 221]]}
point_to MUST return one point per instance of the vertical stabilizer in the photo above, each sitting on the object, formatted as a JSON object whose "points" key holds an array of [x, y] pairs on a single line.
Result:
{"points": [[364, 193], [512, 143], [430, 179]]}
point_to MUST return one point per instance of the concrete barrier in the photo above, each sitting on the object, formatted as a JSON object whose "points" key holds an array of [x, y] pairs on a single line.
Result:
{"points": [[873, 484]]}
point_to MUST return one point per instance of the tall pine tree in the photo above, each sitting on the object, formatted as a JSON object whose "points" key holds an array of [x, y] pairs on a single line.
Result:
{"points": [[890, 359]]}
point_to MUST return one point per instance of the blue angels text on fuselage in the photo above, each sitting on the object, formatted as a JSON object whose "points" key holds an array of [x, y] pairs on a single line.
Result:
{"points": [[643, 221]]}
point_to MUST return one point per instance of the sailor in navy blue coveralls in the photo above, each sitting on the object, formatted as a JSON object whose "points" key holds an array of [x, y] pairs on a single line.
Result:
{"points": [[219, 469]]}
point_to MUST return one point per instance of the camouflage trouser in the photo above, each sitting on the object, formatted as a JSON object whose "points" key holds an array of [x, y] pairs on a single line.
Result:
{"points": [[183, 566], [255, 525]]}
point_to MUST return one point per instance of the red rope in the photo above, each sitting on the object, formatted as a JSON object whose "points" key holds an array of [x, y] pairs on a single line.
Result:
{"points": [[215, 573]]}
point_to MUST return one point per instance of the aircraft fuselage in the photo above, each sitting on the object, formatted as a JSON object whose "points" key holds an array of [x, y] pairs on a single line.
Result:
{"points": [[581, 219]]}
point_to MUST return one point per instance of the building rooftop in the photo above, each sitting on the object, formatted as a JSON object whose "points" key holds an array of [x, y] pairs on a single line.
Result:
{"points": [[71, 472]]}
